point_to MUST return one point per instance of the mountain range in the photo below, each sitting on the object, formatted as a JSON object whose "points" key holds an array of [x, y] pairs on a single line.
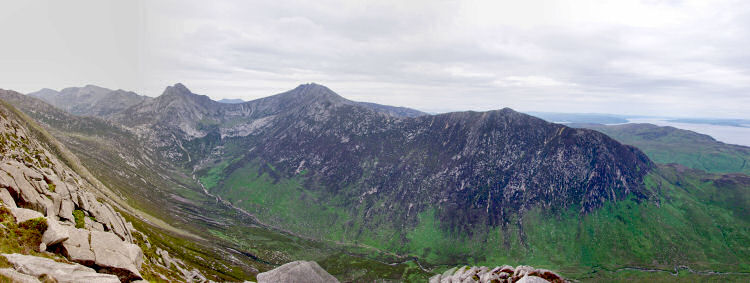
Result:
{"points": [[380, 192]]}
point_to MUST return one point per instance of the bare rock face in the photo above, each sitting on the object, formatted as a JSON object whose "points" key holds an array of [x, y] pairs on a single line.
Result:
{"points": [[503, 274], [17, 277], [297, 271], [77, 247], [6, 198], [59, 272], [115, 255], [23, 215], [55, 233], [531, 279]]}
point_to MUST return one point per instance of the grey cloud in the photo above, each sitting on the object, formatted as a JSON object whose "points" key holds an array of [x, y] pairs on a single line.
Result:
{"points": [[681, 58]]}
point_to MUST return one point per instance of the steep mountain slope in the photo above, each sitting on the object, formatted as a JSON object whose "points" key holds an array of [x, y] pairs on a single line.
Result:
{"points": [[90, 100], [672, 145], [355, 174]]}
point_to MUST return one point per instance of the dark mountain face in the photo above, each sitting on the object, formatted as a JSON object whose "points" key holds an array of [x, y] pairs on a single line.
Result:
{"points": [[474, 168], [90, 100]]}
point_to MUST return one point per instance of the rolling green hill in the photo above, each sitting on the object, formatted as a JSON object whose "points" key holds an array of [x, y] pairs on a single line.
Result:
{"points": [[672, 145]]}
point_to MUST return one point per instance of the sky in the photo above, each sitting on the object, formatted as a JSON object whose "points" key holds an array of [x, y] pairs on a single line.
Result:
{"points": [[663, 58]]}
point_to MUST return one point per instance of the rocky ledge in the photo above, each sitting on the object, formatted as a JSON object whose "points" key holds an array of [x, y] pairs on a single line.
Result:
{"points": [[502, 274], [28, 268]]}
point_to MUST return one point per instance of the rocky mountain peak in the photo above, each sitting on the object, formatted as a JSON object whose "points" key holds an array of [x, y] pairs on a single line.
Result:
{"points": [[177, 89], [314, 92]]}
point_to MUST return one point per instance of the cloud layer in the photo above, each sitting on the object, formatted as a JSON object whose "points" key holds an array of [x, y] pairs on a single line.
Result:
{"points": [[679, 58]]}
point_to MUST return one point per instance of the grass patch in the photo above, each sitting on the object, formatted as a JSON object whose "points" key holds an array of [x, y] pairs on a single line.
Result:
{"points": [[23, 238], [80, 218]]}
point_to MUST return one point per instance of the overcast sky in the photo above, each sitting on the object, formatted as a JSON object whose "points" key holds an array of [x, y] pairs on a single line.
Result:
{"points": [[674, 58]]}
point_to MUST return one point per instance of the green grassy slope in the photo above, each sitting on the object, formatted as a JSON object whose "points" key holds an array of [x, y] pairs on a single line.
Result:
{"points": [[672, 145], [696, 219]]}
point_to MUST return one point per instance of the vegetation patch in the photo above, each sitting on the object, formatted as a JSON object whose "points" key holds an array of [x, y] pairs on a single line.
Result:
{"points": [[79, 218], [23, 238]]}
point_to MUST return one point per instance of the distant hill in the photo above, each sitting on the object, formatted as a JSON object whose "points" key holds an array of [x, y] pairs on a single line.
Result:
{"points": [[672, 145], [566, 118], [90, 100]]}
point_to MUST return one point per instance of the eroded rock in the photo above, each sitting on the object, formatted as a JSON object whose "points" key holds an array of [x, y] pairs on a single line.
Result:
{"points": [[23, 214], [297, 271], [531, 279], [505, 273], [60, 272], [116, 256], [55, 233], [77, 247], [17, 277], [6, 198]]}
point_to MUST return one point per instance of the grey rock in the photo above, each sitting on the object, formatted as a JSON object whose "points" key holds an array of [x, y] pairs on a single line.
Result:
{"points": [[20, 186], [65, 209], [77, 247], [6, 198], [115, 255], [297, 271], [23, 214], [55, 233], [503, 273], [531, 279], [60, 272], [92, 225], [522, 270], [17, 277]]}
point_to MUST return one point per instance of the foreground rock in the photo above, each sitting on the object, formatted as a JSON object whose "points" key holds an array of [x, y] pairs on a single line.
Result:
{"points": [[38, 267], [23, 215], [297, 271], [503, 274], [34, 183], [17, 277], [116, 256]]}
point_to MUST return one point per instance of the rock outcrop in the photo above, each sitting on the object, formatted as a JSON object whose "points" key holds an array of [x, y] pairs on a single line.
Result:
{"points": [[34, 183], [38, 267], [17, 277], [297, 271], [502, 274]]}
